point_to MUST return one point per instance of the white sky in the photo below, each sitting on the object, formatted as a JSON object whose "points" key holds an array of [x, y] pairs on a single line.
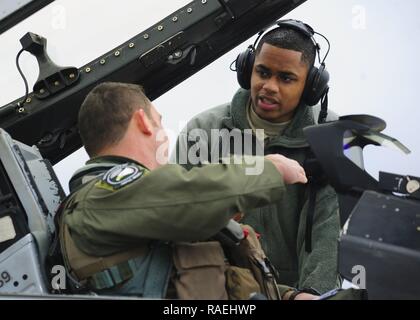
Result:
{"points": [[373, 63]]}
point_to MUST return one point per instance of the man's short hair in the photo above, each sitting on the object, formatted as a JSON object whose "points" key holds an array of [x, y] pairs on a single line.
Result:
{"points": [[106, 112], [287, 38]]}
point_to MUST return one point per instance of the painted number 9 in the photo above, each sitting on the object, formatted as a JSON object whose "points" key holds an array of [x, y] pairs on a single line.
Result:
{"points": [[4, 278]]}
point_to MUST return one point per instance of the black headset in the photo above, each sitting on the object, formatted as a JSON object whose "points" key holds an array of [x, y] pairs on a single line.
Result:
{"points": [[317, 81]]}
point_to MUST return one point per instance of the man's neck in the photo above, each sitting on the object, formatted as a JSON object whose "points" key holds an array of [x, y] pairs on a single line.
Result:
{"points": [[136, 155], [271, 129]]}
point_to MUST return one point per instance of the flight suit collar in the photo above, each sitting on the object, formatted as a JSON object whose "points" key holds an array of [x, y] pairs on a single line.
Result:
{"points": [[113, 159], [95, 167]]}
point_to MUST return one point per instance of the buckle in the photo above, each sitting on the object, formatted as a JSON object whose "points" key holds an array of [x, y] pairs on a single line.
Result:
{"points": [[114, 276]]}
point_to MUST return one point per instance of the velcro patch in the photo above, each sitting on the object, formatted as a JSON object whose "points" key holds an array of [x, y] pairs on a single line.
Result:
{"points": [[121, 175]]}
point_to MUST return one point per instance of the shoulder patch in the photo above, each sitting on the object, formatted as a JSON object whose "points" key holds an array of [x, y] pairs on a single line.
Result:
{"points": [[121, 175]]}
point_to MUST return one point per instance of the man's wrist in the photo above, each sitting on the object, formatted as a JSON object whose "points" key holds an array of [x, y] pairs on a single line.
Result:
{"points": [[289, 293]]}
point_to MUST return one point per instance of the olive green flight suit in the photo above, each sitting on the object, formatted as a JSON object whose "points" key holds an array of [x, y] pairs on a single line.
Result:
{"points": [[169, 204]]}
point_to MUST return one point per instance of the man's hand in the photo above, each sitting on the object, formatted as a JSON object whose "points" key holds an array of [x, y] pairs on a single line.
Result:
{"points": [[306, 296], [291, 170], [238, 216], [299, 296]]}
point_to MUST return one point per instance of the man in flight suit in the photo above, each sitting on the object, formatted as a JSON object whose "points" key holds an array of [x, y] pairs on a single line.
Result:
{"points": [[279, 84], [127, 200]]}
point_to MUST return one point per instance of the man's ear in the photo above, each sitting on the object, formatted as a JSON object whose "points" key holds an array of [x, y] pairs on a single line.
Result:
{"points": [[143, 122]]}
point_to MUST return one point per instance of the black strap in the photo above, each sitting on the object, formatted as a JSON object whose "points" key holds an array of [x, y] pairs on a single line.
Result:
{"points": [[317, 179], [324, 108], [310, 216]]}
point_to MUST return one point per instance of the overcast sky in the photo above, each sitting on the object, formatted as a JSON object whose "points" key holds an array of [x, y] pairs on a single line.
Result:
{"points": [[373, 63]]}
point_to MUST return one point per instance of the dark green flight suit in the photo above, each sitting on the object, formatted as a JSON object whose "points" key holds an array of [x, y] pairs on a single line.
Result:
{"points": [[282, 223]]}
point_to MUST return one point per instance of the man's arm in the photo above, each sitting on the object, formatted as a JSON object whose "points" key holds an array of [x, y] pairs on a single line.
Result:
{"points": [[192, 147], [180, 153], [195, 137], [318, 269], [172, 203]]}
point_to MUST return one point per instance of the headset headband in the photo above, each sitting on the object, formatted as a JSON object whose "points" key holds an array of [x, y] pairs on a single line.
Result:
{"points": [[301, 27]]}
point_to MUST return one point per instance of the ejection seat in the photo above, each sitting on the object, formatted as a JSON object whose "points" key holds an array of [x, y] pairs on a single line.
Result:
{"points": [[30, 194]]}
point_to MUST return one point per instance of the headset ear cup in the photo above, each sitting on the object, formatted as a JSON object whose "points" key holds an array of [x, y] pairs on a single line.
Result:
{"points": [[244, 65], [316, 85], [306, 96]]}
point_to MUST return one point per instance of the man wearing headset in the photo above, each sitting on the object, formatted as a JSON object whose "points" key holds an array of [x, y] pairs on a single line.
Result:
{"points": [[279, 85]]}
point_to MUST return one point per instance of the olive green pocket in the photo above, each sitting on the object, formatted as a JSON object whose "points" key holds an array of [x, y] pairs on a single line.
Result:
{"points": [[200, 271], [240, 283]]}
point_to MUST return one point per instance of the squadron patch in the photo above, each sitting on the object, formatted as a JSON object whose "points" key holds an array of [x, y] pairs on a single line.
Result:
{"points": [[120, 176]]}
